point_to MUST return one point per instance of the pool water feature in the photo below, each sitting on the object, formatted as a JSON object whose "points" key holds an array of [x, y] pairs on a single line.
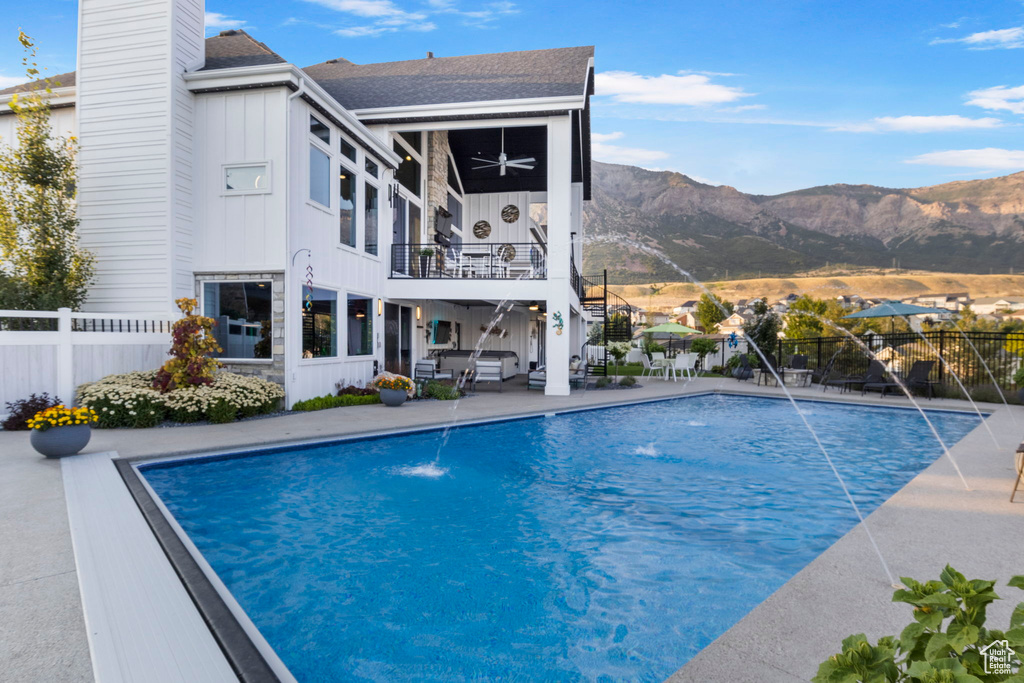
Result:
{"points": [[605, 544]]}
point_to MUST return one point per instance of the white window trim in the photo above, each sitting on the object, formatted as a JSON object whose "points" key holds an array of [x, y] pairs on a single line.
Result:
{"points": [[373, 327], [202, 309], [322, 359], [224, 192]]}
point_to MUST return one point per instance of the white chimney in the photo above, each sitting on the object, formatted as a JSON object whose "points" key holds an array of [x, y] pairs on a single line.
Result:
{"points": [[135, 120]]}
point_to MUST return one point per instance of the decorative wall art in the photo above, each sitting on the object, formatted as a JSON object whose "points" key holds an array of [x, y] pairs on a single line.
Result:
{"points": [[481, 229], [510, 214]]}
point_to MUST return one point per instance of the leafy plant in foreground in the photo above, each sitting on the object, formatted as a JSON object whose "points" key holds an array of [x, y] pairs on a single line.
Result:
{"points": [[21, 411], [925, 652]]}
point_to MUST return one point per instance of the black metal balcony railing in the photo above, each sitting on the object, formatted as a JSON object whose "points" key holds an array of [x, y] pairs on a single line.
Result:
{"points": [[490, 261]]}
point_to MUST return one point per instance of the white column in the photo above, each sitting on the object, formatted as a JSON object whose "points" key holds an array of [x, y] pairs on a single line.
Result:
{"points": [[559, 229], [65, 358]]}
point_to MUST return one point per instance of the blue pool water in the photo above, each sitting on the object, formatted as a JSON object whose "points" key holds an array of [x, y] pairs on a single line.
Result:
{"points": [[611, 544]]}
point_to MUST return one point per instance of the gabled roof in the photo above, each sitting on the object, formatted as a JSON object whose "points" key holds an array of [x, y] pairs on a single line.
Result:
{"points": [[474, 78], [231, 49], [227, 50], [65, 81]]}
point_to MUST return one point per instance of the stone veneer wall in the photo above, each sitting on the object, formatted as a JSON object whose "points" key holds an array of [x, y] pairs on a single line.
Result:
{"points": [[274, 370], [437, 177]]}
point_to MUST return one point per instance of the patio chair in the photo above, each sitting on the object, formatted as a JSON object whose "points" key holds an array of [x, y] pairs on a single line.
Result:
{"points": [[820, 374], [798, 362], [743, 371], [875, 379], [427, 369], [845, 382], [650, 370], [487, 371], [917, 378], [537, 379], [766, 373], [578, 376], [685, 364]]}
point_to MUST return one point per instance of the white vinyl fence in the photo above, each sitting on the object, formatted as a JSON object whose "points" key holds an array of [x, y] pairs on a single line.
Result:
{"points": [[56, 351]]}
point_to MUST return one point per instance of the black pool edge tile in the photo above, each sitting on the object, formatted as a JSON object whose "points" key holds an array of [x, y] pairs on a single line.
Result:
{"points": [[239, 650]]}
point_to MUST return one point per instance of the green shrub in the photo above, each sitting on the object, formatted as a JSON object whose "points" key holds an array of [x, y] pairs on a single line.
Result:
{"points": [[1018, 376], [752, 358], [602, 382], [441, 391], [719, 370], [221, 412], [924, 652], [329, 401], [987, 393], [703, 346], [627, 381]]}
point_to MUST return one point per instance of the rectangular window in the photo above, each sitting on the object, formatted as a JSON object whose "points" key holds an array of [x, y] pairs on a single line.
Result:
{"points": [[319, 323], [319, 129], [414, 140], [370, 222], [455, 209], [347, 150], [348, 206], [360, 326], [371, 167], [242, 311], [319, 176], [408, 173], [246, 178]]}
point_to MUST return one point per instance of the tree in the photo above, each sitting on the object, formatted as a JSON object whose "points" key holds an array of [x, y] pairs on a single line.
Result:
{"points": [[804, 320], [763, 329], [710, 313], [41, 265], [595, 336], [192, 346]]}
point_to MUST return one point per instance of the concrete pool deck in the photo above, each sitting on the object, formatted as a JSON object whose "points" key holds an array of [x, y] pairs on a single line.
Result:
{"points": [[933, 520]]}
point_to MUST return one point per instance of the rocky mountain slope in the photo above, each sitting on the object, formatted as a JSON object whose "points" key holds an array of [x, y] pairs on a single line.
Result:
{"points": [[718, 232]]}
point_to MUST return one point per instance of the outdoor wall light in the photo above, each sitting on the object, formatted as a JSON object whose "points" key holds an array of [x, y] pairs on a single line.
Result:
{"points": [[418, 313], [534, 306], [380, 306]]}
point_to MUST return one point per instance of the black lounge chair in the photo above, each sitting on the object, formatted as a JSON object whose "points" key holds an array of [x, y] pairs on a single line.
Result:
{"points": [[778, 375], [875, 379], [875, 370], [917, 378], [743, 371], [798, 362], [820, 374]]}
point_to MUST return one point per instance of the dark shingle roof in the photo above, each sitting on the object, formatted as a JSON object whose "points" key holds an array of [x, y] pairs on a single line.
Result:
{"points": [[228, 50], [237, 48], [65, 81], [474, 78]]}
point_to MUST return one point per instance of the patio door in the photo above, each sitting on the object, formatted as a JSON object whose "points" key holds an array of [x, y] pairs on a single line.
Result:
{"points": [[398, 339]]}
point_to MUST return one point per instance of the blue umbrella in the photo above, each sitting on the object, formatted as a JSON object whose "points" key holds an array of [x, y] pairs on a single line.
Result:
{"points": [[891, 309]]}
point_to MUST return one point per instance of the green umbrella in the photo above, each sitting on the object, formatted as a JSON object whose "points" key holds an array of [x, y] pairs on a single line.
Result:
{"points": [[891, 309], [670, 328]]}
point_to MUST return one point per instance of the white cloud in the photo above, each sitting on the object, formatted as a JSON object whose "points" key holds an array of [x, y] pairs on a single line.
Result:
{"points": [[481, 17], [615, 154], [989, 158], [11, 81], [744, 107], [216, 21], [999, 39], [918, 124], [384, 16], [694, 90], [999, 97]]}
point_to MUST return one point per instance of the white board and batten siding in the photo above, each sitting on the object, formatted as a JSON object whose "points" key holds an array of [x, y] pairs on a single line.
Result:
{"points": [[515, 324], [62, 123], [488, 207], [134, 123], [241, 231]]}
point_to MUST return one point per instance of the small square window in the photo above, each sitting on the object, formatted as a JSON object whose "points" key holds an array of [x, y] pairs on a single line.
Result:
{"points": [[246, 178], [371, 167], [319, 129], [347, 150]]}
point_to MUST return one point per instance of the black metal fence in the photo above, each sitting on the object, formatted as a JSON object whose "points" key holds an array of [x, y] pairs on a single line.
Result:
{"points": [[489, 261]]}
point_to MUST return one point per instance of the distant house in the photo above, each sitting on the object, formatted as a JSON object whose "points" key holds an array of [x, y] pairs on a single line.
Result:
{"points": [[685, 307], [734, 323], [952, 301], [689, 319], [655, 318], [992, 304]]}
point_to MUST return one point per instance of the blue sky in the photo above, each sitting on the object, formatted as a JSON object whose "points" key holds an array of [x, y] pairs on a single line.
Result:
{"points": [[764, 96]]}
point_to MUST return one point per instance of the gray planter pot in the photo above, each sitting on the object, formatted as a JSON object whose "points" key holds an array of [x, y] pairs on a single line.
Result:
{"points": [[392, 397], [57, 442]]}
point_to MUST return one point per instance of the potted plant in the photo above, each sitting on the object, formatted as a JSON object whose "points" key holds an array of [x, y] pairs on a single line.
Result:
{"points": [[1018, 379], [61, 431], [394, 389], [425, 255]]}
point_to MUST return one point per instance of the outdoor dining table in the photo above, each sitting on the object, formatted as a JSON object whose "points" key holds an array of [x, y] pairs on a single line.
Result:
{"points": [[666, 364]]}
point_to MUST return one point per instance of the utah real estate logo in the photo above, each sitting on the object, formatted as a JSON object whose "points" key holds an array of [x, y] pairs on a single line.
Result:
{"points": [[998, 657]]}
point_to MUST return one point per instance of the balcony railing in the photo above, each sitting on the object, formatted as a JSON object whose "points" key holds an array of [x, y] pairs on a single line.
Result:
{"points": [[490, 261]]}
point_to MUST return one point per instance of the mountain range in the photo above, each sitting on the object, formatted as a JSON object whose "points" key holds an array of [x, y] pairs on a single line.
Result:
{"points": [[718, 232]]}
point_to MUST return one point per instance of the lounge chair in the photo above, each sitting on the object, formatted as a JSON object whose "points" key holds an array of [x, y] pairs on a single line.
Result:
{"points": [[427, 369], [487, 371], [766, 373], [875, 379], [819, 375], [537, 379], [917, 378], [846, 382], [579, 375], [743, 371]]}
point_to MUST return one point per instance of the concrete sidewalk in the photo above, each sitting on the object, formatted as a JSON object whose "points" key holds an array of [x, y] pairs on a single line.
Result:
{"points": [[930, 522]]}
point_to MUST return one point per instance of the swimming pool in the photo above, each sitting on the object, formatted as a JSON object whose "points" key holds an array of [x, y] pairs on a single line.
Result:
{"points": [[599, 545]]}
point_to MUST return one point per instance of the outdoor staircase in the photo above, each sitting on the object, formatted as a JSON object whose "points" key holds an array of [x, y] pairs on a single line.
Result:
{"points": [[610, 310]]}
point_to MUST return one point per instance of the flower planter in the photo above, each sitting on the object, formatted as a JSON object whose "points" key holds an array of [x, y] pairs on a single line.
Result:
{"points": [[393, 397], [57, 442]]}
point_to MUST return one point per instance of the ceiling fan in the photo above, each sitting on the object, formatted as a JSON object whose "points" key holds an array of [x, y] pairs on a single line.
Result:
{"points": [[503, 162]]}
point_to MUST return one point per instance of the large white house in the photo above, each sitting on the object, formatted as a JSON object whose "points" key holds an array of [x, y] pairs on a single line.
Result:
{"points": [[336, 219]]}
